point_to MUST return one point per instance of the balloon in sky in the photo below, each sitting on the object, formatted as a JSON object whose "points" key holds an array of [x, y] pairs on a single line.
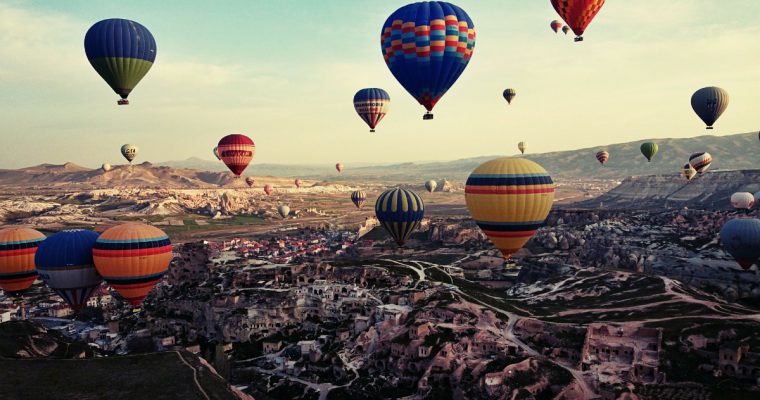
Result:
{"points": [[129, 151], [106, 167], [64, 263], [509, 198], [649, 149], [399, 211], [700, 161], [577, 13], [427, 46], [250, 181], [688, 172], [372, 104], [283, 210], [122, 52], [602, 157], [509, 95], [339, 167], [298, 183], [522, 147], [431, 185], [709, 103], [741, 238], [216, 153], [742, 200], [268, 189], [556, 25], [358, 197], [132, 258], [17, 249], [236, 151], [565, 29]]}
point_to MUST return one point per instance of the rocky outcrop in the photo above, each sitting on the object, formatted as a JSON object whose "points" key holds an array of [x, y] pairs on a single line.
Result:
{"points": [[25, 339]]}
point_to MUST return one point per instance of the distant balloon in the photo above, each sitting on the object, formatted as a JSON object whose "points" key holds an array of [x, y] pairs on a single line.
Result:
{"points": [[688, 172], [64, 263], [509, 95], [268, 189], [129, 151], [339, 167], [283, 210], [577, 13], [700, 162], [399, 211], [509, 198], [216, 153], [236, 151], [250, 181], [372, 105], [298, 183], [741, 238], [431, 185], [742, 200], [709, 103], [122, 52], [132, 258], [602, 157], [565, 29], [358, 197], [522, 147], [106, 167], [427, 46], [17, 249], [556, 25], [649, 150]]}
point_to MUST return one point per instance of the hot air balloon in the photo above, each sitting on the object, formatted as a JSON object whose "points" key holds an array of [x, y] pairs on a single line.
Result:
{"points": [[236, 151], [298, 183], [700, 161], [339, 167], [250, 181], [741, 238], [106, 167], [268, 189], [522, 147], [431, 185], [509, 95], [216, 153], [565, 29], [132, 258], [742, 200], [649, 149], [358, 197], [129, 151], [372, 104], [283, 210], [122, 52], [688, 172], [399, 211], [64, 263], [427, 46], [602, 157], [17, 249], [509, 198], [556, 25], [577, 14], [709, 103]]}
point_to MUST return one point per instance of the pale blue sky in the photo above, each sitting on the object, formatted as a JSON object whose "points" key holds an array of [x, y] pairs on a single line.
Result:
{"points": [[285, 72]]}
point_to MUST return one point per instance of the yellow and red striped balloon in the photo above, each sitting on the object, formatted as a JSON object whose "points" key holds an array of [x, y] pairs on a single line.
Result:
{"points": [[132, 258], [17, 249], [509, 198]]}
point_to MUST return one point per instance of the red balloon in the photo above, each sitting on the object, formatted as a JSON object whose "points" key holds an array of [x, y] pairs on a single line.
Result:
{"points": [[268, 189], [236, 151], [298, 183], [339, 167], [577, 13]]}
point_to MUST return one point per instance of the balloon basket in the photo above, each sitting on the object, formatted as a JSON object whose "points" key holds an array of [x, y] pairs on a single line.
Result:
{"points": [[372, 130], [579, 39], [709, 127], [427, 116], [123, 102]]}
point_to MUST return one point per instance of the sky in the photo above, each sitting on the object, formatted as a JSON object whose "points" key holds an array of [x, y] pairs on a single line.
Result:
{"points": [[285, 72]]}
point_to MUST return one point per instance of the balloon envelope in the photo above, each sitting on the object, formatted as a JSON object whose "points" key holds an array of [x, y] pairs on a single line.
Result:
{"points": [[358, 197], [688, 172], [509, 198], [742, 200], [339, 167], [431, 185], [17, 249], [129, 151], [250, 181], [106, 167], [64, 263], [649, 150], [372, 105], [741, 238], [298, 183], [427, 46], [132, 258], [709, 103], [577, 14], [283, 210], [565, 29], [400, 212], [236, 151], [522, 147], [122, 52], [700, 161], [509, 95], [555, 25], [602, 156], [268, 189]]}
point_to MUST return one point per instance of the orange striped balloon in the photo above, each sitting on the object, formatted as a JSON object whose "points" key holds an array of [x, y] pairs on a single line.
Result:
{"points": [[602, 157], [17, 249], [132, 258]]}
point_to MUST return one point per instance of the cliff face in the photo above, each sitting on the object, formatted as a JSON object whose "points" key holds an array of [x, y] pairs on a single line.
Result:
{"points": [[711, 190]]}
